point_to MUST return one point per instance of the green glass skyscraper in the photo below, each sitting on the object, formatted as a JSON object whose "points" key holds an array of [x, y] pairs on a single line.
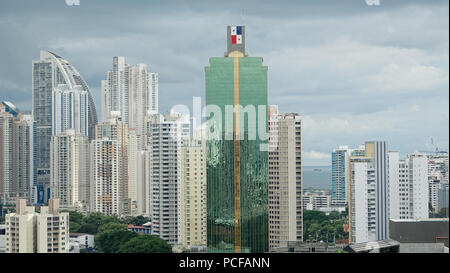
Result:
{"points": [[237, 160]]}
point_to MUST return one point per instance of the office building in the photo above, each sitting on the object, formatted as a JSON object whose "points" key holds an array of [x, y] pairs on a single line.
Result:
{"points": [[285, 178], [69, 170], [237, 157]]}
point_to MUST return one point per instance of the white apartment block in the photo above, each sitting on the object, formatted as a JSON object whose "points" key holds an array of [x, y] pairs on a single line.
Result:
{"points": [[69, 170], [193, 190], [369, 193], [70, 110], [133, 92], [28, 231], [316, 201], [394, 185], [165, 139], [438, 170], [409, 186], [285, 178]]}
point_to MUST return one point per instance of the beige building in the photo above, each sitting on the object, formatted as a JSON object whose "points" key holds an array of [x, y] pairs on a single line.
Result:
{"points": [[105, 176], [69, 165], [193, 191], [116, 131], [138, 175], [285, 178], [28, 231]]}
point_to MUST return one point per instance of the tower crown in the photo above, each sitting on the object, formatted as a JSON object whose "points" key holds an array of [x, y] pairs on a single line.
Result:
{"points": [[235, 39]]}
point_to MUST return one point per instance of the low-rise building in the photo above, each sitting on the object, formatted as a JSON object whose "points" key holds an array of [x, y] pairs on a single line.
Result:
{"points": [[78, 241], [29, 231], [144, 229], [316, 200]]}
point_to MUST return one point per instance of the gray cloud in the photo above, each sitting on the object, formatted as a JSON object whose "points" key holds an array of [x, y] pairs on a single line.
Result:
{"points": [[353, 71]]}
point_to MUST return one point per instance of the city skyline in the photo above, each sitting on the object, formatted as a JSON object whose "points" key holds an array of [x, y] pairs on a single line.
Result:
{"points": [[317, 56]]}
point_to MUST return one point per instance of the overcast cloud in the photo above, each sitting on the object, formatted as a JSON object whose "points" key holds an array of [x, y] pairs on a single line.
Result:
{"points": [[354, 72]]}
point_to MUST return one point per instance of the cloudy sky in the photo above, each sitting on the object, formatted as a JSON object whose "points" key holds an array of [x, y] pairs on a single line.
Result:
{"points": [[354, 72]]}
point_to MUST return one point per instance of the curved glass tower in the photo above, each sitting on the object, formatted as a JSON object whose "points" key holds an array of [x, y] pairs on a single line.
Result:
{"points": [[49, 72]]}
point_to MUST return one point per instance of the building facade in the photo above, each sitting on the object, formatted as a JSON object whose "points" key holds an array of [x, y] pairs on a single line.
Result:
{"points": [[193, 191], [369, 193], [16, 148], [285, 179], [70, 110], [236, 152], [105, 175], [131, 91], [69, 170], [115, 129], [28, 231], [165, 140], [48, 72], [339, 166]]}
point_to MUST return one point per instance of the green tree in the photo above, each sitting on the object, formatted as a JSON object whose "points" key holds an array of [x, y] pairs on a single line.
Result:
{"points": [[145, 244], [111, 240], [88, 228], [112, 226]]}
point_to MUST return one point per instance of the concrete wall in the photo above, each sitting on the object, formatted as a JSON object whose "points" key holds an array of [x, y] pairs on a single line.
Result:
{"points": [[425, 231]]}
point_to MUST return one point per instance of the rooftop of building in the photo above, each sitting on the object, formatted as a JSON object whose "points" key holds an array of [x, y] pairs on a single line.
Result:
{"points": [[420, 220]]}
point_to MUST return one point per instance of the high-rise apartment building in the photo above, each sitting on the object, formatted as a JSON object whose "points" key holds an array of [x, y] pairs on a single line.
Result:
{"points": [[105, 175], [237, 158], [193, 194], [395, 176], [165, 139], [285, 178], [437, 177], [408, 186], [339, 168], [70, 110], [138, 175], [133, 92], [48, 72], [69, 170], [115, 129], [15, 154], [28, 231], [368, 193]]}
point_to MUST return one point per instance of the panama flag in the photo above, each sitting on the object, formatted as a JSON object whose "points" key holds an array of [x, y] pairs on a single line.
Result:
{"points": [[236, 35]]}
